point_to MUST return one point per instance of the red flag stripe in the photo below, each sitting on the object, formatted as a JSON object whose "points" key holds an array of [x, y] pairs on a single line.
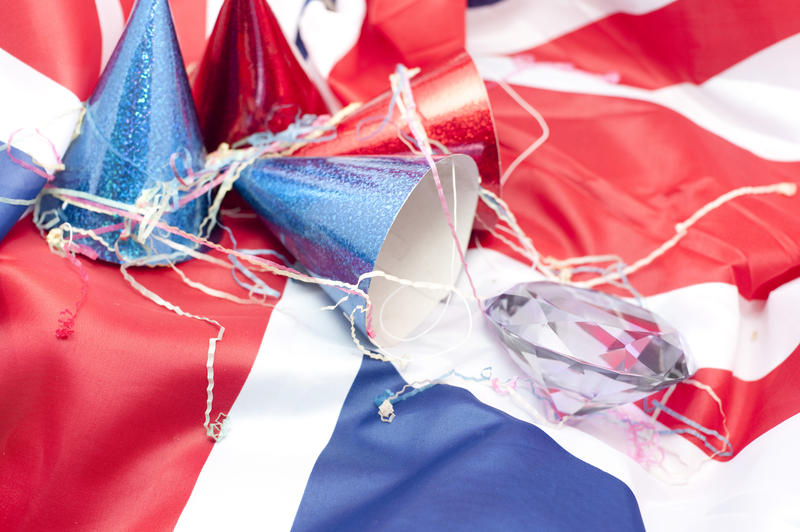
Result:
{"points": [[67, 52], [190, 23], [106, 427], [751, 407], [409, 32], [684, 41], [127, 6], [613, 179], [508, 26]]}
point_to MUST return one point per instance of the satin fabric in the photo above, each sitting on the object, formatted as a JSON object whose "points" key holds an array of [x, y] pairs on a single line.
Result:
{"points": [[426, 470], [105, 430]]}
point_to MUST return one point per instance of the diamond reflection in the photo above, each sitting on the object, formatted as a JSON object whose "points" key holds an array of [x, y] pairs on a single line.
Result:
{"points": [[586, 350]]}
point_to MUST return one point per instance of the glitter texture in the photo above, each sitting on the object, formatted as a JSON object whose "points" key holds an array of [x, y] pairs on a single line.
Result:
{"points": [[249, 80], [139, 115], [587, 350], [332, 214], [454, 107]]}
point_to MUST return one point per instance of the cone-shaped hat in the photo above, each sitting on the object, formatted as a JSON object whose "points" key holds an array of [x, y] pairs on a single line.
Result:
{"points": [[249, 79], [140, 113], [452, 101], [342, 217]]}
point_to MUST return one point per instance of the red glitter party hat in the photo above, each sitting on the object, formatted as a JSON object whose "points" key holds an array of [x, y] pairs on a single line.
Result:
{"points": [[249, 79], [452, 101]]}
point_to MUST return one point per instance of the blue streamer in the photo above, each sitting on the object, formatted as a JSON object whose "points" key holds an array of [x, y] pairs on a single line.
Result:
{"points": [[698, 428], [302, 125], [258, 286]]}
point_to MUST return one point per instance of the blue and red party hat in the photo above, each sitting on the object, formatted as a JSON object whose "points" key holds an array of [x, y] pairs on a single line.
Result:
{"points": [[139, 130], [342, 217]]}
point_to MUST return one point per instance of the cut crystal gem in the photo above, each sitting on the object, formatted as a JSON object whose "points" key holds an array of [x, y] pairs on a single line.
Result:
{"points": [[586, 350]]}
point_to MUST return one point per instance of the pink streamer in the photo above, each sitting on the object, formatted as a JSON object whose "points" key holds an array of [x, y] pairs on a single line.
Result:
{"points": [[35, 169], [66, 320], [418, 131]]}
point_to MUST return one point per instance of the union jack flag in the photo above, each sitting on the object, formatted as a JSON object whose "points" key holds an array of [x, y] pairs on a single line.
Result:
{"points": [[617, 120]]}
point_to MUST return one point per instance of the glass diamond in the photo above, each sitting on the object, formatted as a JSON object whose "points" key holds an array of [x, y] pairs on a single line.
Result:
{"points": [[586, 350]]}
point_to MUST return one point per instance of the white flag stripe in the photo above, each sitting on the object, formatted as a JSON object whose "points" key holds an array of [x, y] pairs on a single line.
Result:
{"points": [[212, 10], [757, 490], [281, 420], [515, 25], [318, 24], [288, 14], [726, 331], [35, 101], [112, 21], [760, 117]]}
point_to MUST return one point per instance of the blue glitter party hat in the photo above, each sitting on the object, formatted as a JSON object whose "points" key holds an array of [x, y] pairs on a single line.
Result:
{"points": [[139, 117], [342, 217]]}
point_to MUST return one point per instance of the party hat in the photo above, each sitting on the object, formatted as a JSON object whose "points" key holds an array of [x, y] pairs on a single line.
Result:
{"points": [[139, 131], [249, 79], [452, 101], [342, 217]]}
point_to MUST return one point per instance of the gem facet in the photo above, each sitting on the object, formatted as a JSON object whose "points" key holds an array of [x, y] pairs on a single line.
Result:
{"points": [[586, 350]]}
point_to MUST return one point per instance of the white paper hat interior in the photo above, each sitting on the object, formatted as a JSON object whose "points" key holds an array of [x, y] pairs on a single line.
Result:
{"points": [[420, 247]]}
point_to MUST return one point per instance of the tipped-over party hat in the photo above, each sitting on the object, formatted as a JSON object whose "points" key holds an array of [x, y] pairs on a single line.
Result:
{"points": [[139, 132], [452, 101], [342, 217], [249, 79]]}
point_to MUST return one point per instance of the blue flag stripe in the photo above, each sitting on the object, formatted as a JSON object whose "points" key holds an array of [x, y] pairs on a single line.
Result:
{"points": [[449, 462]]}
